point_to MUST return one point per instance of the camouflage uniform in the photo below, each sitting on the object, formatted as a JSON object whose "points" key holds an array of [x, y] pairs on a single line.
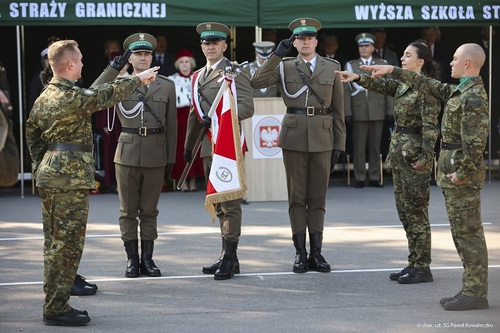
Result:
{"points": [[61, 115], [465, 131], [418, 112]]}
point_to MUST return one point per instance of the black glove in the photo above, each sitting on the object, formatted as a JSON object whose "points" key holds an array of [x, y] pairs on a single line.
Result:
{"points": [[120, 61], [348, 120], [168, 169], [206, 121], [188, 155], [390, 120], [284, 47], [335, 157]]}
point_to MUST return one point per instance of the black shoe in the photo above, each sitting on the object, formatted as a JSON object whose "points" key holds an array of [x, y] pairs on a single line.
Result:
{"points": [[212, 268], [82, 288], [71, 318], [395, 276], [318, 263], [447, 299], [300, 264], [375, 183], [149, 268], [359, 185], [415, 275], [463, 302]]}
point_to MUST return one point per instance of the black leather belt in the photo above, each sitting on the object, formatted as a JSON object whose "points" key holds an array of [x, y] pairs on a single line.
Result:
{"points": [[310, 111], [450, 146], [143, 131], [70, 147], [407, 129]]}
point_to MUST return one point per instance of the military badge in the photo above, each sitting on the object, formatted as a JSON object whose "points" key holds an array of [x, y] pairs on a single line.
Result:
{"points": [[89, 92]]}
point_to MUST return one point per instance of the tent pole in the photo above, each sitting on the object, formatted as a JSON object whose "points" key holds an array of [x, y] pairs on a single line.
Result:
{"points": [[258, 34], [19, 32]]}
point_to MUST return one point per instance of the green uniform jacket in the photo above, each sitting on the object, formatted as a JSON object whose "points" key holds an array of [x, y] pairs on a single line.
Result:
{"points": [[299, 132], [465, 121], [61, 114], [411, 109], [153, 150], [262, 92], [209, 87], [361, 106]]}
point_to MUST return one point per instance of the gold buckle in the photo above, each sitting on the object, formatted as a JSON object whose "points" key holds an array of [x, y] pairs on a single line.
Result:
{"points": [[310, 111], [143, 131]]}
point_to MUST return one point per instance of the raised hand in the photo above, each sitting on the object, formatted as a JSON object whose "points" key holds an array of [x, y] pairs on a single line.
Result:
{"points": [[149, 75], [285, 46], [378, 70], [120, 61], [346, 76]]}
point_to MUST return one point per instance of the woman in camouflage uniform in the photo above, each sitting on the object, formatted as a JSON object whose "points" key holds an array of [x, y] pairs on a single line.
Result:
{"points": [[411, 152]]}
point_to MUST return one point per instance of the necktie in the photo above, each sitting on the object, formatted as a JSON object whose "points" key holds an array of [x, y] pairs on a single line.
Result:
{"points": [[367, 62], [208, 72], [380, 53], [161, 59], [309, 68]]}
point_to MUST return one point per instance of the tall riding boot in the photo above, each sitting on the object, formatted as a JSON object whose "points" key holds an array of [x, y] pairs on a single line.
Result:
{"points": [[132, 249], [226, 268], [212, 268], [300, 264], [316, 261], [148, 266]]}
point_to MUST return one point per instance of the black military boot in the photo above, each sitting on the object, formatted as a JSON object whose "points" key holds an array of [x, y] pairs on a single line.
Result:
{"points": [[316, 261], [148, 266], [81, 287], [212, 268], [132, 249], [226, 268], [300, 264]]}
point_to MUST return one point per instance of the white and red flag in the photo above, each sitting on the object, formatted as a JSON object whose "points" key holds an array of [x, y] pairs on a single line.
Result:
{"points": [[227, 173]]}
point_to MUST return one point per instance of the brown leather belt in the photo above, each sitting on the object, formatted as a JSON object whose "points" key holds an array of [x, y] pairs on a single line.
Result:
{"points": [[450, 146], [70, 147], [143, 131], [310, 111], [407, 129]]}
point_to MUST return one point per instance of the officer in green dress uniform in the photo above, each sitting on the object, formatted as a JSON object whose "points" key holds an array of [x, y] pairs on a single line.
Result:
{"points": [[262, 51], [205, 87], [144, 155], [312, 133]]}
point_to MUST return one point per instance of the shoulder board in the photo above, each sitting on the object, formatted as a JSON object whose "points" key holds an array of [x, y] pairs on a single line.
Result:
{"points": [[288, 58], [199, 70], [164, 78], [332, 60]]}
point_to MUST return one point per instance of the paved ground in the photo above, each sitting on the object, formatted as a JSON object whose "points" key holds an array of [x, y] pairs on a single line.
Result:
{"points": [[364, 242]]}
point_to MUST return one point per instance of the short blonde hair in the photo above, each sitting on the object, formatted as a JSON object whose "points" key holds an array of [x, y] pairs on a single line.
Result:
{"points": [[61, 52], [191, 60]]}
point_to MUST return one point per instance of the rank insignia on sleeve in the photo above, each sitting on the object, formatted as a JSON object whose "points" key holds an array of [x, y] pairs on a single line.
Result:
{"points": [[89, 92]]}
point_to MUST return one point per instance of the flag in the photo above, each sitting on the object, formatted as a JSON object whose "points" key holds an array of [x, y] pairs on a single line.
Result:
{"points": [[227, 174]]}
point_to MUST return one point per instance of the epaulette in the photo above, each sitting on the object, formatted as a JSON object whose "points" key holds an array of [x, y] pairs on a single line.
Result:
{"points": [[288, 58], [164, 77], [199, 70], [331, 59]]}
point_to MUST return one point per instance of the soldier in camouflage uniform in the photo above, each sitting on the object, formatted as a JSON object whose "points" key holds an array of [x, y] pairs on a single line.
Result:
{"points": [[461, 169], [59, 138], [410, 156]]}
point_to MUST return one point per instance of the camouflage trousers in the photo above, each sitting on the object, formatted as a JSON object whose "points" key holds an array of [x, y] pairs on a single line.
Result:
{"points": [[64, 215], [412, 192], [463, 205]]}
